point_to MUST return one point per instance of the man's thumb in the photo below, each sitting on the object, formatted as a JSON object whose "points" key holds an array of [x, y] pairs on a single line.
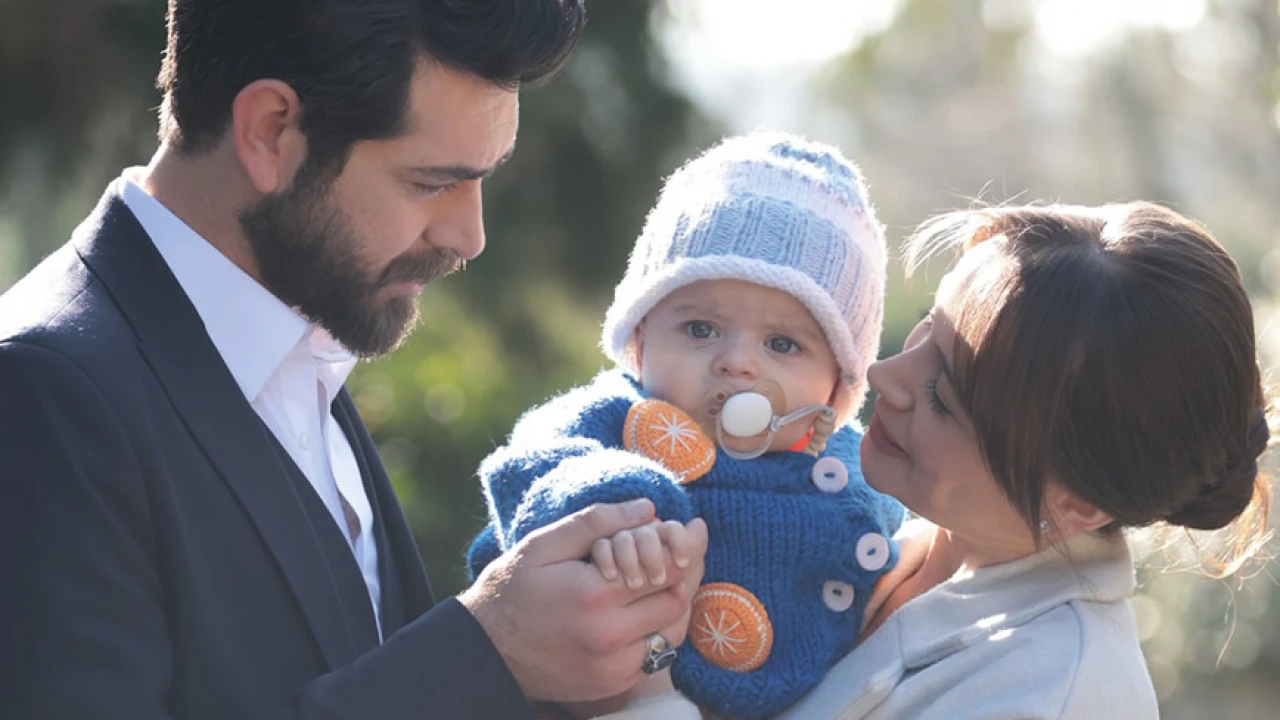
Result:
{"points": [[571, 538]]}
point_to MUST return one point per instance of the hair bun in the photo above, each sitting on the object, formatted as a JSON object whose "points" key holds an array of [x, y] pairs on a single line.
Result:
{"points": [[1219, 503]]}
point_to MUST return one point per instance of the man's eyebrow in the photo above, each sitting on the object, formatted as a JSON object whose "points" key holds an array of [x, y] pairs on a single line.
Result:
{"points": [[458, 173]]}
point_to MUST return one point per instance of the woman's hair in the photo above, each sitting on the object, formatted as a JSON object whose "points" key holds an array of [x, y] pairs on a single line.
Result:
{"points": [[1112, 350]]}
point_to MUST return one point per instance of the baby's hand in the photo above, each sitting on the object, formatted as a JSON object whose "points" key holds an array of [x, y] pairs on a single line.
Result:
{"points": [[639, 554]]}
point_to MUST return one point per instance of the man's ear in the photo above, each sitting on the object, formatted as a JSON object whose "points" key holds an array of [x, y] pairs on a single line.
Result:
{"points": [[266, 128], [1069, 515]]}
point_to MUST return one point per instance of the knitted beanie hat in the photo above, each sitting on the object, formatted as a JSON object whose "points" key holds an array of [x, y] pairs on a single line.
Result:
{"points": [[772, 209]]}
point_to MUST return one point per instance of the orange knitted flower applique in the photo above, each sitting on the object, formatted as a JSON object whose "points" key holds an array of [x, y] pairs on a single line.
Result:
{"points": [[730, 627], [663, 432]]}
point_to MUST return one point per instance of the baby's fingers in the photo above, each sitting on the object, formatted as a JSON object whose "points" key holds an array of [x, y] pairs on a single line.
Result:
{"points": [[679, 541], [649, 548], [624, 554], [602, 556]]}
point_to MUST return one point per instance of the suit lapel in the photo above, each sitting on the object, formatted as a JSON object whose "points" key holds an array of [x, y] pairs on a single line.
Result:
{"points": [[405, 590], [215, 411]]}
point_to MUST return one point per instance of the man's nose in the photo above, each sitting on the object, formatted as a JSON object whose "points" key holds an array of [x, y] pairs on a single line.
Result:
{"points": [[459, 222]]}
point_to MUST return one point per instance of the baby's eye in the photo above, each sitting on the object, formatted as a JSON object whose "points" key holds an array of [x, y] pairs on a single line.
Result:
{"points": [[699, 330], [783, 345]]}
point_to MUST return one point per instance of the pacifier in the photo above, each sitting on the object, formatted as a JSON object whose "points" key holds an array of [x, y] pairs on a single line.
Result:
{"points": [[746, 421]]}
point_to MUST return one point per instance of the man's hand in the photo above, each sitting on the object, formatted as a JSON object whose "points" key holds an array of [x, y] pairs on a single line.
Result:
{"points": [[566, 632]]}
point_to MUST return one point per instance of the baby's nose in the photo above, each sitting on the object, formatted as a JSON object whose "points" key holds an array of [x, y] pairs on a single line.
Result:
{"points": [[737, 361]]}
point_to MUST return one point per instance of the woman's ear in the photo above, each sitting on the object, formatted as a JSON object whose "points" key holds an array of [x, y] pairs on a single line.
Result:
{"points": [[1069, 515]]}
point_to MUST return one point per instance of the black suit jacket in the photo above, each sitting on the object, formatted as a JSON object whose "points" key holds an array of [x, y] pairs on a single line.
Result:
{"points": [[160, 554]]}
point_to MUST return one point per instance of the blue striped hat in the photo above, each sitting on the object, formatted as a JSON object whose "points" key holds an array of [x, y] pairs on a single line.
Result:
{"points": [[772, 209]]}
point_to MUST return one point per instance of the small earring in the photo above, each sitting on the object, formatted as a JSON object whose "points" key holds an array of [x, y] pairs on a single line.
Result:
{"points": [[1044, 527]]}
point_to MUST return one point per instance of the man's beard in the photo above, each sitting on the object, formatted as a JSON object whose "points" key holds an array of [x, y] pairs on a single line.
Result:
{"points": [[307, 255]]}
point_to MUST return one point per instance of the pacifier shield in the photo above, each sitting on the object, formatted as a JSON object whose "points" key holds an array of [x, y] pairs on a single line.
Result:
{"points": [[663, 432], [736, 413]]}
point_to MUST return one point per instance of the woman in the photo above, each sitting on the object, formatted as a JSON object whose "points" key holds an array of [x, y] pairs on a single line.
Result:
{"points": [[1083, 371]]}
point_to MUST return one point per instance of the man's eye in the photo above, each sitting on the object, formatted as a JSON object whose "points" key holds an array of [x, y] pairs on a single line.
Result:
{"points": [[428, 191], [783, 345], [699, 330]]}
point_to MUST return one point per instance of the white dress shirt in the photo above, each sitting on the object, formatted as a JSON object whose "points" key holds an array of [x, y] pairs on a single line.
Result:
{"points": [[289, 369]]}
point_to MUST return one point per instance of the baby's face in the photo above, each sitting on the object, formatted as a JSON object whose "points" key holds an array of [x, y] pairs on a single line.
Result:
{"points": [[714, 333]]}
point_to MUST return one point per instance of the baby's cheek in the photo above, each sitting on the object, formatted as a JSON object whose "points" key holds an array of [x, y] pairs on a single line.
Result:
{"points": [[790, 437]]}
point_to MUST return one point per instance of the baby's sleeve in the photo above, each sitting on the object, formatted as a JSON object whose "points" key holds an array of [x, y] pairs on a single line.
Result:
{"points": [[564, 457]]}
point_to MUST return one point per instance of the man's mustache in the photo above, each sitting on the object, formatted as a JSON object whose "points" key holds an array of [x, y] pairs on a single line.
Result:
{"points": [[423, 268]]}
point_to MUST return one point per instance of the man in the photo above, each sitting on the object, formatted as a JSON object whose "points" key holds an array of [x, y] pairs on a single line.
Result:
{"points": [[193, 520]]}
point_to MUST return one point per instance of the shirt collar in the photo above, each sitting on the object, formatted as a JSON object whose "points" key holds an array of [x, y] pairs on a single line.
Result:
{"points": [[251, 328]]}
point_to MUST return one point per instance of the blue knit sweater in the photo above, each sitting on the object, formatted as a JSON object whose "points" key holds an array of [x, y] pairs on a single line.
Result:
{"points": [[810, 557]]}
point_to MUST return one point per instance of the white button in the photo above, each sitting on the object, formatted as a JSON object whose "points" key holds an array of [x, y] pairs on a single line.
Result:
{"points": [[872, 551], [830, 475], [304, 440], [837, 595]]}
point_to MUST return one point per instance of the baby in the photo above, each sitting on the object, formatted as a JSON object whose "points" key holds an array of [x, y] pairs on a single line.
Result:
{"points": [[750, 310]]}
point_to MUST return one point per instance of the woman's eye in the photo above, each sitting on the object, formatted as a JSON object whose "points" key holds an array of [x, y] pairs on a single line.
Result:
{"points": [[935, 400], [783, 345], [699, 330]]}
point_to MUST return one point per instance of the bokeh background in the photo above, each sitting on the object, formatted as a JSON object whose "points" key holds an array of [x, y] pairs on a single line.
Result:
{"points": [[944, 103]]}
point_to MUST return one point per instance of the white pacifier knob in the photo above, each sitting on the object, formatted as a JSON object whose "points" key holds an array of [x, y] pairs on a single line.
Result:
{"points": [[746, 414]]}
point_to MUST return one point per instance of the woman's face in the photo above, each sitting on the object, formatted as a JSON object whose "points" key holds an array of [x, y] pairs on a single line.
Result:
{"points": [[921, 448]]}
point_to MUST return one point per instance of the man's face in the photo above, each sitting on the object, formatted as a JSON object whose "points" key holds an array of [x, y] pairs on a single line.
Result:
{"points": [[353, 252]]}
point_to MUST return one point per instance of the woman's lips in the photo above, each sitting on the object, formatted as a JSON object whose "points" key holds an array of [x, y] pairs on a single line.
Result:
{"points": [[882, 440]]}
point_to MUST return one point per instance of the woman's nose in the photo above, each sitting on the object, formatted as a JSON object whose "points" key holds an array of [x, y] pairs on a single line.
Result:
{"points": [[886, 378]]}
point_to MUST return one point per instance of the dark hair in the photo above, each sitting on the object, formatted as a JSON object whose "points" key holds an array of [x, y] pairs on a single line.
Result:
{"points": [[1111, 349], [350, 61]]}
